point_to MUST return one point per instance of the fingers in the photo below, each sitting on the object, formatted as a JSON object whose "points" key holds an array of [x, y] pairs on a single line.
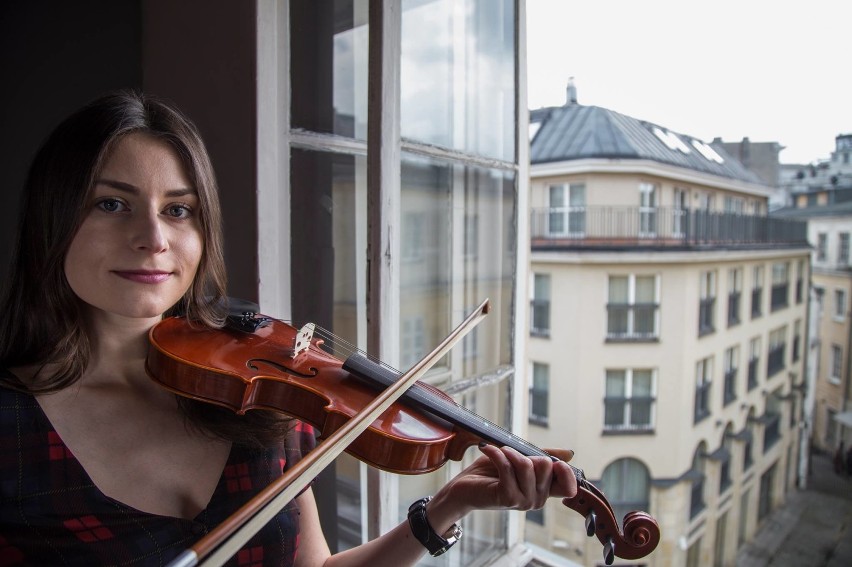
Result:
{"points": [[524, 482]]}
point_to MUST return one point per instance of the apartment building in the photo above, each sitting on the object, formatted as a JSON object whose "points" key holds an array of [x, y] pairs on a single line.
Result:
{"points": [[830, 335], [667, 333]]}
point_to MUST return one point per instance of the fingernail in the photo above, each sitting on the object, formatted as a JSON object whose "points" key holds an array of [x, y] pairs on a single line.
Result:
{"points": [[482, 444]]}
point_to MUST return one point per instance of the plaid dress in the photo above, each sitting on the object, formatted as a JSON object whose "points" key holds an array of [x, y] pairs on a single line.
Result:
{"points": [[51, 513]]}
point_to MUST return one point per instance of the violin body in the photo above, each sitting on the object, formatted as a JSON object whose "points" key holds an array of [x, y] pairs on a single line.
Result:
{"points": [[261, 363], [248, 371]]}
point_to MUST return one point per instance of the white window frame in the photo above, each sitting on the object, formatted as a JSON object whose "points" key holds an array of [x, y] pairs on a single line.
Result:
{"points": [[840, 305], [631, 306]]}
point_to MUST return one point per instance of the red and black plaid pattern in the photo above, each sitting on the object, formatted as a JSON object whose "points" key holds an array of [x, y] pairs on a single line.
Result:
{"points": [[51, 513]]}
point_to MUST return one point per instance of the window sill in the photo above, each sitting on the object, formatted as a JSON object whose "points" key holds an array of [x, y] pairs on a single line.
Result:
{"points": [[628, 432], [632, 340], [706, 331], [540, 422]]}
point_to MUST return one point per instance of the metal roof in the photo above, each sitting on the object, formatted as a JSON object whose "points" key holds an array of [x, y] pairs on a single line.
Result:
{"points": [[574, 131]]}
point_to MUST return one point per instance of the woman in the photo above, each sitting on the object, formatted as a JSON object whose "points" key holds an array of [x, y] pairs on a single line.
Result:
{"points": [[120, 225]]}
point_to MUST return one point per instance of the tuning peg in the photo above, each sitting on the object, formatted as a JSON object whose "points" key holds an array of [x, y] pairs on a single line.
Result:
{"points": [[609, 551], [591, 523]]}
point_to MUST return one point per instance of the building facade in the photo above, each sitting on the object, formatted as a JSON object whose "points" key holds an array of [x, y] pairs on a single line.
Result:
{"points": [[667, 326], [829, 219]]}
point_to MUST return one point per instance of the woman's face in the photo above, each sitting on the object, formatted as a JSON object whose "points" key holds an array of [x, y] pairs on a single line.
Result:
{"points": [[140, 243]]}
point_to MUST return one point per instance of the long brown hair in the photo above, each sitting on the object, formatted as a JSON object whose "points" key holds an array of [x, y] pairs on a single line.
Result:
{"points": [[42, 318]]}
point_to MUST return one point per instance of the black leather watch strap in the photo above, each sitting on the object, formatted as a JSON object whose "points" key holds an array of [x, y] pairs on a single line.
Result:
{"points": [[421, 528]]}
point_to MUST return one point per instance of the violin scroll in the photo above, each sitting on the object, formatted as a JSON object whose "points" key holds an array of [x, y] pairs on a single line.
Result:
{"points": [[641, 533]]}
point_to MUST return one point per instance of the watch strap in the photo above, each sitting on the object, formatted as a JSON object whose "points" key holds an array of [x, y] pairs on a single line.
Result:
{"points": [[435, 543]]}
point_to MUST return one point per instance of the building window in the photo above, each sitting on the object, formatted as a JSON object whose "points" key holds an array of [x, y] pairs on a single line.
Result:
{"points": [[800, 281], [757, 293], [732, 358], [567, 211], [629, 402], [780, 285], [839, 304], [765, 498], [703, 381], [471, 236], [822, 246], [412, 341], [647, 210], [777, 345], [699, 459], [748, 444], [536, 516], [843, 250], [539, 394], [707, 305], [735, 288], [836, 364], [540, 306], [725, 460], [797, 340], [753, 362], [627, 484], [633, 308]]}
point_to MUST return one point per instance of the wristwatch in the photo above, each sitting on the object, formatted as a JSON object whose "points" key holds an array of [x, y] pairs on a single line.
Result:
{"points": [[422, 530]]}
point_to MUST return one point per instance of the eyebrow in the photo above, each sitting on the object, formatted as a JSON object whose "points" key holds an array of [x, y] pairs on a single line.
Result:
{"points": [[132, 189]]}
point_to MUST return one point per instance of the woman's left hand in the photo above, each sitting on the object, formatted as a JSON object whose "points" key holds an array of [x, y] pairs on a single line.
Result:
{"points": [[503, 479]]}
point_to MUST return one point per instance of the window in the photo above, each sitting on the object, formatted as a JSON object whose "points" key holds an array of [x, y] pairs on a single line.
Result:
{"points": [[843, 249], [757, 292], [748, 445], [699, 459], [765, 498], [680, 212], [647, 210], [629, 402], [800, 281], [780, 285], [633, 307], [539, 394], [452, 180], [839, 304], [822, 246], [725, 460], [732, 358], [836, 364], [753, 362], [627, 483], [540, 306], [775, 359], [797, 340], [707, 306], [567, 213], [703, 380], [735, 288]]}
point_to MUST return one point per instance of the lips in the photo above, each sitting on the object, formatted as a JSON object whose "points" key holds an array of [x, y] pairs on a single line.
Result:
{"points": [[144, 276]]}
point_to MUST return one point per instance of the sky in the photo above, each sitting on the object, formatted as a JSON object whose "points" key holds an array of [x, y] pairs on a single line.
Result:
{"points": [[772, 71]]}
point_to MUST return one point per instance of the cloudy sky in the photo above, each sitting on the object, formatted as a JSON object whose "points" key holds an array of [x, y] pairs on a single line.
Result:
{"points": [[767, 70]]}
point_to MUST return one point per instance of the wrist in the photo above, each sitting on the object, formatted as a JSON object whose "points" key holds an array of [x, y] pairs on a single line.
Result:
{"points": [[428, 531]]}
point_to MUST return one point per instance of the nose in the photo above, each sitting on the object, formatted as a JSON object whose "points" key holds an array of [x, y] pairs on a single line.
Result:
{"points": [[149, 234]]}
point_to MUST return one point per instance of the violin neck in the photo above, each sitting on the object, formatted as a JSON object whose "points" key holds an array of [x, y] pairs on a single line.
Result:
{"points": [[444, 408]]}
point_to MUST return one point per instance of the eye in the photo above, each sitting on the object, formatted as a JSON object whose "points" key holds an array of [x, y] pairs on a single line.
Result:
{"points": [[179, 211], [110, 205]]}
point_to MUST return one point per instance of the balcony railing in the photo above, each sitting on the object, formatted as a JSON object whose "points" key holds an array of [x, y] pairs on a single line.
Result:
{"points": [[607, 226]]}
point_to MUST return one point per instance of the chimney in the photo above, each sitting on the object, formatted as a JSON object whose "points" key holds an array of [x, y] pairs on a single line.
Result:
{"points": [[571, 92]]}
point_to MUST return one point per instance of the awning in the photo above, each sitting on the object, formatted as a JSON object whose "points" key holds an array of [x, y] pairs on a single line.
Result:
{"points": [[844, 418]]}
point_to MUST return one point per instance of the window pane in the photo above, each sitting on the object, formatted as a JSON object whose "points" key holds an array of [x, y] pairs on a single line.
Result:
{"points": [[642, 383], [615, 384], [447, 62], [328, 43], [645, 289], [444, 284], [618, 289]]}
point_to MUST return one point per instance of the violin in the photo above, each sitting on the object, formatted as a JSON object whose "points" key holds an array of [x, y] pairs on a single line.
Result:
{"points": [[257, 362]]}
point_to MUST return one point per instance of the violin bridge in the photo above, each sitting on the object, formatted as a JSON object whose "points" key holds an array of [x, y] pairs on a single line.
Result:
{"points": [[303, 339]]}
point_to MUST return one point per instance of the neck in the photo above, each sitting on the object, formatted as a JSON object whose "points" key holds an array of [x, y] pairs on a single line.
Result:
{"points": [[119, 348]]}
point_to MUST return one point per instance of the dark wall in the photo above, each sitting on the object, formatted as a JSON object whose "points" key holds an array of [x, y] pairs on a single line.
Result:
{"points": [[55, 57]]}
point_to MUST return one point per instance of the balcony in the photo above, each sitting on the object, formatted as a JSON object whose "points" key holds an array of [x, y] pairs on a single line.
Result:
{"points": [[606, 227]]}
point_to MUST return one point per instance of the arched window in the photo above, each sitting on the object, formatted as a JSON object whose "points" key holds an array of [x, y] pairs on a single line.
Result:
{"points": [[626, 483], [698, 472]]}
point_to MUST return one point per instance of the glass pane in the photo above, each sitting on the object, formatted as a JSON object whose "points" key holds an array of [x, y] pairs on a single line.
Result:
{"points": [[645, 289], [328, 243], [614, 412], [640, 412], [644, 320], [642, 383], [617, 320], [615, 384], [453, 51], [328, 48], [542, 287], [440, 284], [618, 289]]}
